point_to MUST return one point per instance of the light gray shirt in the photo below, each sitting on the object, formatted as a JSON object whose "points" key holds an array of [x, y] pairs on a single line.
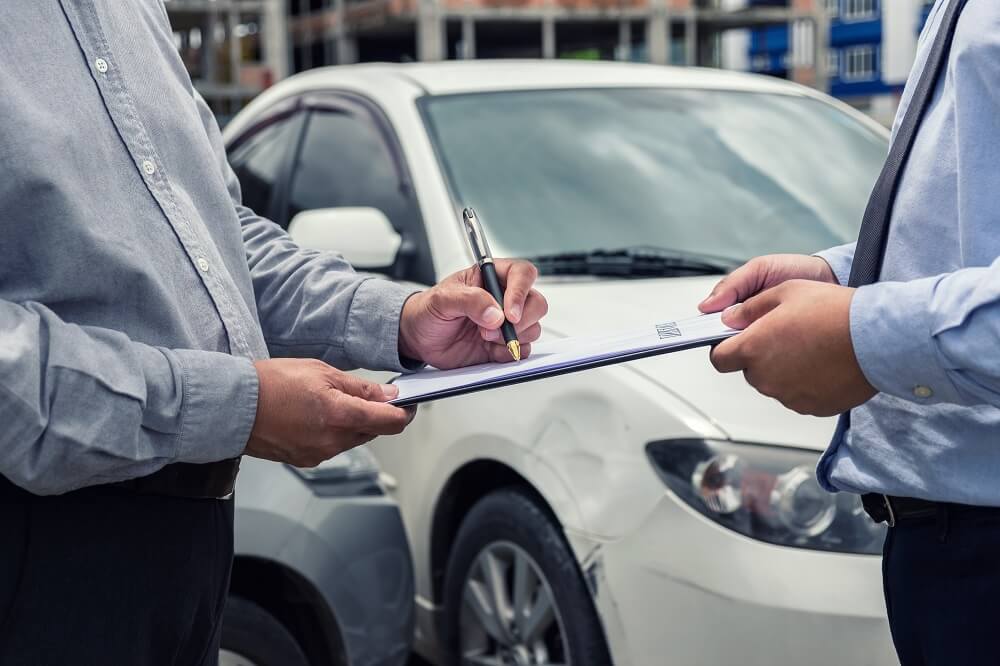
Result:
{"points": [[135, 289], [927, 335]]}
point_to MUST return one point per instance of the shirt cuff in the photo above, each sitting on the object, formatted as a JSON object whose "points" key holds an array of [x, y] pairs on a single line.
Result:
{"points": [[219, 405], [892, 334], [372, 335], [839, 259]]}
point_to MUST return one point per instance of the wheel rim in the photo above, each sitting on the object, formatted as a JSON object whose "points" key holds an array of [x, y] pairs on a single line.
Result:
{"points": [[230, 658], [509, 616]]}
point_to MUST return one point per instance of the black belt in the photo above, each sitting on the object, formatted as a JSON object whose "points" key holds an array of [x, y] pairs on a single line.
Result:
{"points": [[892, 510], [212, 480]]}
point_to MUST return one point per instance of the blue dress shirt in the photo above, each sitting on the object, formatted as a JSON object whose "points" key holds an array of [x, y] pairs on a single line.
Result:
{"points": [[135, 289], [927, 336]]}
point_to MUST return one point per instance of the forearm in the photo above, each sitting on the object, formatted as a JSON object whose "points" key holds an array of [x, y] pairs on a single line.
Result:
{"points": [[932, 340], [313, 304], [85, 405]]}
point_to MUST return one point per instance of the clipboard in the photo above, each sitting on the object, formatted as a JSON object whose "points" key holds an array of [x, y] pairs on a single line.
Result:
{"points": [[563, 356]]}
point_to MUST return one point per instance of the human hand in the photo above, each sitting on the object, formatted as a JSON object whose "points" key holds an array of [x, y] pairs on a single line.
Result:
{"points": [[763, 273], [308, 412], [457, 323], [796, 347]]}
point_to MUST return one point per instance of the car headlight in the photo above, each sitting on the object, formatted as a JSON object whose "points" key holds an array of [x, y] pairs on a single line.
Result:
{"points": [[353, 472], [769, 493]]}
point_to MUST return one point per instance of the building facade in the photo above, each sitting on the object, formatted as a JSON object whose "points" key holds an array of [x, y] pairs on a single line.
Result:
{"points": [[870, 49]]}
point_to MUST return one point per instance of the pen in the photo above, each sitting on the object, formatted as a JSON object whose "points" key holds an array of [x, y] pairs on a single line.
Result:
{"points": [[481, 252]]}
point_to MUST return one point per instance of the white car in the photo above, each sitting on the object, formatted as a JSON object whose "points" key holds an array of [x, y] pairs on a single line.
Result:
{"points": [[643, 514]]}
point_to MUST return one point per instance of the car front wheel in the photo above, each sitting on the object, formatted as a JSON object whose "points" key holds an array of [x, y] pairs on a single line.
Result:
{"points": [[514, 595]]}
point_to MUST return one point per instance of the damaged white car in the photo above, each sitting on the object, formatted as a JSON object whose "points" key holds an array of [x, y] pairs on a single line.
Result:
{"points": [[642, 514]]}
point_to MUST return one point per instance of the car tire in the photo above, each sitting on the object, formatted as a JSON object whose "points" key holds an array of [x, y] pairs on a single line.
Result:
{"points": [[498, 533], [253, 637]]}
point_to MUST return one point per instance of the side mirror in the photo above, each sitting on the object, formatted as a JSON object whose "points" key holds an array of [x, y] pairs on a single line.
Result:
{"points": [[364, 236]]}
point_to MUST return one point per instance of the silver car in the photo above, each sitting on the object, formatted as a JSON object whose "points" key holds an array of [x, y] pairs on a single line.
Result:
{"points": [[322, 574]]}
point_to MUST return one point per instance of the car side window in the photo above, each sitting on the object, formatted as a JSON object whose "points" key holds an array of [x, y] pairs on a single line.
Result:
{"points": [[260, 161], [344, 161]]}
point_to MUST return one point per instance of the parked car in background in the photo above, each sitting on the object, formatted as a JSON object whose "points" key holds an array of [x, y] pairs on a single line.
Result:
{"points": [[322, 574], [648, 513]]}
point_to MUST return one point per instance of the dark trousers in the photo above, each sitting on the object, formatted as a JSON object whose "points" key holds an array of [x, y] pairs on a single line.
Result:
{"points": [[942, 589], [106, 576]]}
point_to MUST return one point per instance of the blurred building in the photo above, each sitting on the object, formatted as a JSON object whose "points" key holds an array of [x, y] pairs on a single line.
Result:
{"points": [[233, 49], [870, 49], [689, 32]]}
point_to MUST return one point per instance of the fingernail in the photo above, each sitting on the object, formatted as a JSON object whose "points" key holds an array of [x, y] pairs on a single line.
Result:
{"points": [[493, 315], [515, 313], [390, 391]]}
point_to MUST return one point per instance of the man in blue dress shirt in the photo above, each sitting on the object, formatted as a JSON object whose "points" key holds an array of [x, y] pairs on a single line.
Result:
{"points": [[139, 304], [902, 330]]}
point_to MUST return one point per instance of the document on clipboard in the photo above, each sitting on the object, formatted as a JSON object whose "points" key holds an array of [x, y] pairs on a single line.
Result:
{"points": [[562, 356]]}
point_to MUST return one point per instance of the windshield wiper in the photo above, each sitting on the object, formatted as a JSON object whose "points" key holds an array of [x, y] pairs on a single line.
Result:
{"points": [[637, 261]]}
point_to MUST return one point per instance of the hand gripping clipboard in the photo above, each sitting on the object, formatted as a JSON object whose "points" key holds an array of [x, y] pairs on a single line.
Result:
{"points": [[562, 356]]}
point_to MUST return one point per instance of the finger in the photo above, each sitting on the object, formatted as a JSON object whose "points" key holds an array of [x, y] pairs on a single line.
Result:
{"points": [[373, 418], [524, 333], [517, 277], [743, 314], [728, 356], [535, 307], [456, 301], [364, 389], [735, 287]]}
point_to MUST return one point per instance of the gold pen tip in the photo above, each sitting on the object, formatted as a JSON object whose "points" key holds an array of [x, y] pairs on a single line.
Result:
{"points": [[514, 347]]}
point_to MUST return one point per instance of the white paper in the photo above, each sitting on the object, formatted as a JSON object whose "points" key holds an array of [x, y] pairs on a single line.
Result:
{"points": [[563, 354]]}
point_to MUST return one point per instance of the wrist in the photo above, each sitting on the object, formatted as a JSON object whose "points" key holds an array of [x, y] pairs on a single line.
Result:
{"points": [[407, 342]]}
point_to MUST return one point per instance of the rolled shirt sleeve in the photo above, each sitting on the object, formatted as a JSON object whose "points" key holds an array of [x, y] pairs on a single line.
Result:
{"points": [[932, 340], [86, 405]]}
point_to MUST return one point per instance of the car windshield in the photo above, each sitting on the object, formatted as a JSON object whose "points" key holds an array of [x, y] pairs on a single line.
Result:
{"points": [[705, 173]]}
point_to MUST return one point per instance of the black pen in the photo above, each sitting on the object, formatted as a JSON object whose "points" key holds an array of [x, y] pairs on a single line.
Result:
{"points": [[481, 252]]}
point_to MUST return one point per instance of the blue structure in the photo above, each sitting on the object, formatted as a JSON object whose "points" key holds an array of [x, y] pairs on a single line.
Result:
{"points": [[855, 45]]}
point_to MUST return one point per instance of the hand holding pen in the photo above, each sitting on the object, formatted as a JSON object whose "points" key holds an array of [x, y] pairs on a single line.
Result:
{"points": [[458, 322]]}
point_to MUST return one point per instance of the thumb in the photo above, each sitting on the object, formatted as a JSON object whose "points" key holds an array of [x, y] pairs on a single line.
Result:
{"points": [[742, 315], [735, 287], [366, 390], [473, 303]]}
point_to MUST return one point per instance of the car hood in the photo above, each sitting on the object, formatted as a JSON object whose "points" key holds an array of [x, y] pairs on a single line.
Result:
{"points": [[589, 306]]}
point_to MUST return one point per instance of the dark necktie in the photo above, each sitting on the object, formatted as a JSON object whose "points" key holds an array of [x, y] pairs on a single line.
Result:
{"points": [[870, 250]]}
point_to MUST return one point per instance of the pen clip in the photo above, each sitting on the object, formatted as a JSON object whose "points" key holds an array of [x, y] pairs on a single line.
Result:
{"points": [[477, 239]]}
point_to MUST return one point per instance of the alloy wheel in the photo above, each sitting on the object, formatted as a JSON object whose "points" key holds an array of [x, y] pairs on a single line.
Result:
{"points": [[509, 615]]}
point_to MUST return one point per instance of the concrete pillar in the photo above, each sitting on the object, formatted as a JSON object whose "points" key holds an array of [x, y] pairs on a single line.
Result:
{"points": [[274, 38], [207, 54], [235, 52], [658, 34], [624, 49], [430, 31], [347, 50], [468, 39], [690, 39], [549, 37]]}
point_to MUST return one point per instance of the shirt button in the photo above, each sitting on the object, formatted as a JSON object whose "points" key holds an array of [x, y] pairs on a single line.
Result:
{"points": [[922, 391], [101, 64], [203, 264], [148, 167]]}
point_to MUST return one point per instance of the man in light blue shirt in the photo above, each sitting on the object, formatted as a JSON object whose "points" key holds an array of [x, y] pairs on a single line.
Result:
{"points": [[911, 351]]}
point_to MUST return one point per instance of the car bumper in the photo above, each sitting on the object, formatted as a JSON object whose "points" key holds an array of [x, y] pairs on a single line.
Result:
{"points": [[352, 549], [682, 590]]}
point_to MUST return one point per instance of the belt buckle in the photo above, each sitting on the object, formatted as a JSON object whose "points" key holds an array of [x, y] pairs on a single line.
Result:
{"points": [[891, 520]]}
